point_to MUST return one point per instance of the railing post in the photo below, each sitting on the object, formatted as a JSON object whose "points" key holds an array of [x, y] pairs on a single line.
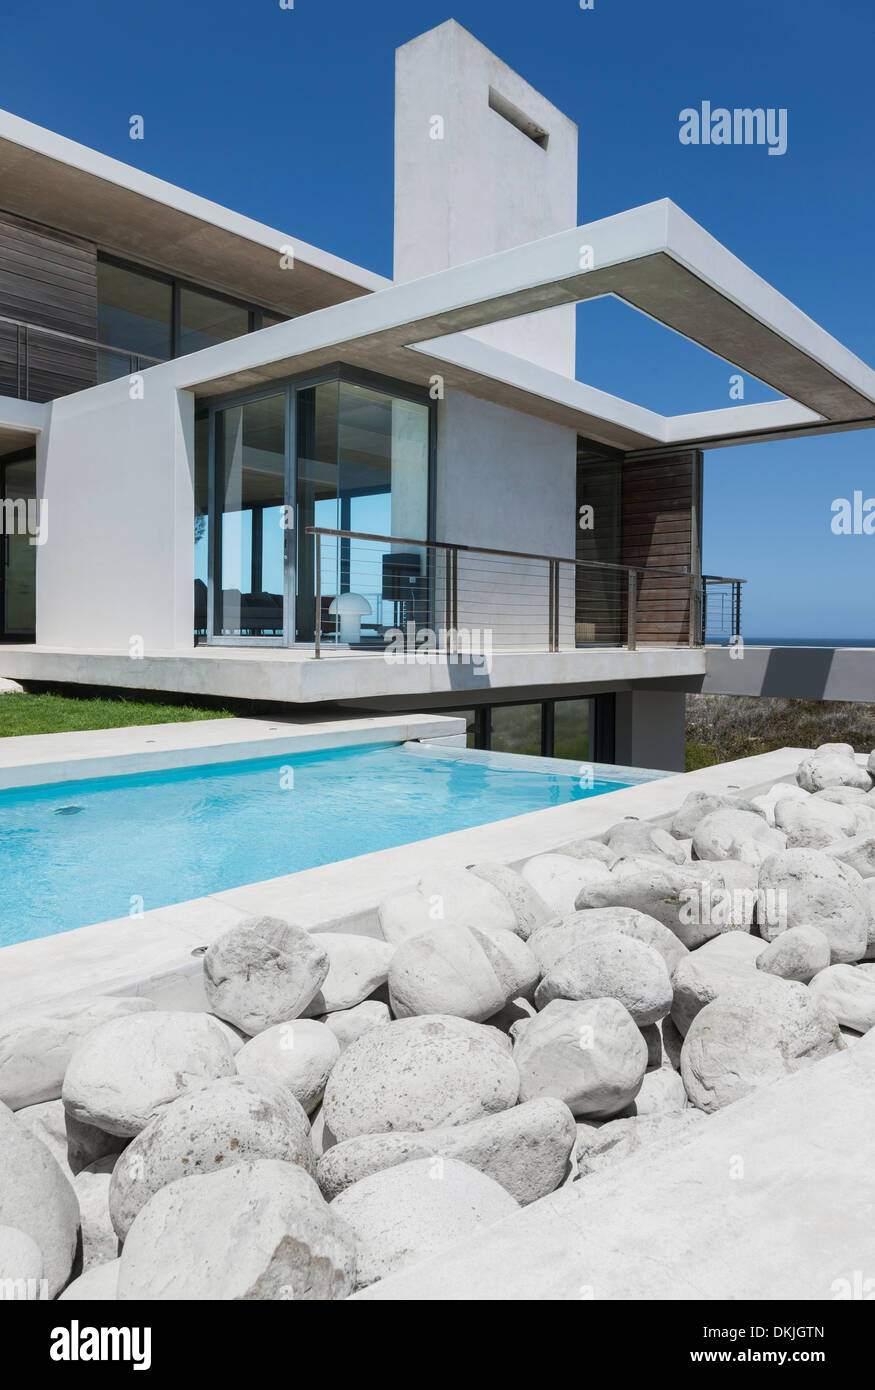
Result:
{"points": [[695, 623], [551, 606], [452, 598], [736, 594], [632, 610], [317, 625]]}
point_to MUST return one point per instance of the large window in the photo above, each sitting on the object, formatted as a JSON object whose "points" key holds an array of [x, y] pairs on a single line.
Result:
{"points": [[362, 465], [144, 317], [250, 492], [357, 461], [134, 316]]}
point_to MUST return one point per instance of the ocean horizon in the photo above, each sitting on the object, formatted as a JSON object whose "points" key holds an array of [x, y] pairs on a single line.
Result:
{"points": [[809, 641]]}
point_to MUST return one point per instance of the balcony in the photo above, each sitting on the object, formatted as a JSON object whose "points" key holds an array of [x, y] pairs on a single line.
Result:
{"points": [[40, 364], [406, 597]]}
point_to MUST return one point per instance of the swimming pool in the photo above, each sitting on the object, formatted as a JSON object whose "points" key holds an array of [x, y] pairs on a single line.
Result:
{"points": [[79, 852]]}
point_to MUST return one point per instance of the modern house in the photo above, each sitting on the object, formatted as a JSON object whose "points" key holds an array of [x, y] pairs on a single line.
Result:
{"points": [[257, 470]]}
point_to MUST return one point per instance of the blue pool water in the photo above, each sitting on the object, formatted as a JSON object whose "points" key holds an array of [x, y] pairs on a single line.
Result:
{"points": [[80, 852]]}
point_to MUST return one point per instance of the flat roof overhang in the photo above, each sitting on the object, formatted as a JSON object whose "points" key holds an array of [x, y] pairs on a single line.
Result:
{"points": [[655, 258], [47, 178], [20, 424]]}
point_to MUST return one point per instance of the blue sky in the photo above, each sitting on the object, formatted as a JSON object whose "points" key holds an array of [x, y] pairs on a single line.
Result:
{"points": [[287, 115]]}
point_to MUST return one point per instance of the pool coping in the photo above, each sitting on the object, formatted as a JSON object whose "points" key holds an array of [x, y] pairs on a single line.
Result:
{"points": [[35, 759], [157, 955]]}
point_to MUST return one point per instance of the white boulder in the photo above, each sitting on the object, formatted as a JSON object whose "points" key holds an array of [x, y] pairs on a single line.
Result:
{"points": [[21, 1265], [849, 994], [813, 824], [551, 943], [767, 801], [612, 966], [796, 954], [99, 1285], [638, 839], [832, 765], [465, 971], [525, 1148], [357, 965], [403, 1215], [256, 1231], [726, 962], [419, 1073], [263, 971], [733, 834], [530, 909], [858, 852], [559, 878], [125, 1071], [812, 889], [99, 1240], [448, 897], [37, 1198], [230, 1122], [589, 1054], [349, 1024], [36, 1045], [745, 1039], [662, 1093], [297, 1056]]}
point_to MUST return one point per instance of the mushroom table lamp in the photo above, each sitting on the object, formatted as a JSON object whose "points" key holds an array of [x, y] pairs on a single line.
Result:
{"points": [[350, 609]]}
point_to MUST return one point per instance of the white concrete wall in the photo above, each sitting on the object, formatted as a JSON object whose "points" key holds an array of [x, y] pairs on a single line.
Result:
{"points": [[484, 186], [651, 729], [506, 480], [118, 562]]}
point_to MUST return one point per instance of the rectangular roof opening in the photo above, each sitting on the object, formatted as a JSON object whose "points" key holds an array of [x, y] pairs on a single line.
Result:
{"points": [[518, 118]]}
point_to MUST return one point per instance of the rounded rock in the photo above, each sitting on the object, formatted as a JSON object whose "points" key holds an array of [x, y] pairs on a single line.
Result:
{"points": [[127, 1070], [407, 1213], [419, 1073], [813, 889], [849, 994], [209, 1131], [591, 1055], [37, 1198], [796, 954], [297, 1056], [258, 1231], [262, 972], [464, 971], [447, 896], [741, 1041], [612, 966]]}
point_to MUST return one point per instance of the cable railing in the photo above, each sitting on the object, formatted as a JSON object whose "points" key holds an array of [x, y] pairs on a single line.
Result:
{"points": [[721, 610], [359, 591], [40, 364]]}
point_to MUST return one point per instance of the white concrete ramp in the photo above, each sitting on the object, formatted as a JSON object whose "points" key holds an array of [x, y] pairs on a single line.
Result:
{"points": [[775, 1199]]}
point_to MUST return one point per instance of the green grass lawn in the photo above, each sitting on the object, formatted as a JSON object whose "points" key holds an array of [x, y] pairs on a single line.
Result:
{"points": [[53, 714]]}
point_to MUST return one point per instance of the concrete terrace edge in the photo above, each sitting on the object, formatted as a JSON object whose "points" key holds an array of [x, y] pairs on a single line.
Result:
{"points": [[158, 954], [686, 1222]]}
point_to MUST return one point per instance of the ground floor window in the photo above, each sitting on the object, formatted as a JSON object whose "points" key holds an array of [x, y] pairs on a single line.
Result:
{"points": [[579, 730]]}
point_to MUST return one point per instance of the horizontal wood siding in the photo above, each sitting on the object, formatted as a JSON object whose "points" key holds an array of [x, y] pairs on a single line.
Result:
{"points": [[661, 526], [47, 280]]}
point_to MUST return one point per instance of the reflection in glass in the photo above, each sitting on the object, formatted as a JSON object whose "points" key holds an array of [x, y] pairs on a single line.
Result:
{"points": [[134, 313], [516, 729], [571, 720], [362, 465], [205, 320], [250, 488]]}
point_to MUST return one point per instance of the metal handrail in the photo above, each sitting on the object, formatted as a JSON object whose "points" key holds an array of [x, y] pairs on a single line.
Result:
{"points": [[452, 550], [489, 550], [734, 585], [85, 342]]}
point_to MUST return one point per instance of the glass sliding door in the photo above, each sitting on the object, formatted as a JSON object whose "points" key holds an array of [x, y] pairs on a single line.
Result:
{"points": [[357, 460], [249, 539], [362, 465]]}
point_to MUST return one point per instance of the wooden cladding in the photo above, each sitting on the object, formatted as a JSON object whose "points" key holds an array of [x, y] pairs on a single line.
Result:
{"points": [[48, 280], [661, 505], [644, 513]]}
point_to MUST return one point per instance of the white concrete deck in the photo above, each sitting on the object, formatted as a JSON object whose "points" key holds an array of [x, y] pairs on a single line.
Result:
{"points": [[152, 954], [293, 675]]}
